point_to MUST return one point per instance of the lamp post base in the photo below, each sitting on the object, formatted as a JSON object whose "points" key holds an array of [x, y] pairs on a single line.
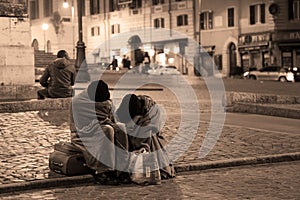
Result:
{"points": [[80, 64]]}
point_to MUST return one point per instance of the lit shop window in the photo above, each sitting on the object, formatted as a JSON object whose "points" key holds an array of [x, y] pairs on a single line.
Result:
{"points": [[182, 20], [206, 20], [257, 14], [159, 23]]}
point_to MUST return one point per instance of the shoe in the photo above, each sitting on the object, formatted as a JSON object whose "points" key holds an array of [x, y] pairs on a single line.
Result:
{"points": [[106, 178], [124, 178]]}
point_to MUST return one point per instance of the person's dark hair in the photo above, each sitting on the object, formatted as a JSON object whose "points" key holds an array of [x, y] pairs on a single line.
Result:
{"points": [[62, 54], [98, 91], [129, 108]]}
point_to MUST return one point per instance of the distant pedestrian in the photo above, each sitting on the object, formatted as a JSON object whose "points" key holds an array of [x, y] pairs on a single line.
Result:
{"points": [[58, 78], [146, 62], [114, 63], [126, 62]]}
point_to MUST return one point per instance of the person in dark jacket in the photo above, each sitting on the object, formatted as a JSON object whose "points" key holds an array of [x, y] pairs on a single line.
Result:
{"points": [[58, 78], [143, 120]]}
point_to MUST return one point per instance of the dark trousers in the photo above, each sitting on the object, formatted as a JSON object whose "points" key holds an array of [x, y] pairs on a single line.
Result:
{"points": [[42, 94]]}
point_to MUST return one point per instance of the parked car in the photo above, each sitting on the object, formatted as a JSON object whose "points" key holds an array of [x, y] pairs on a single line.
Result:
{"points": [[161, 70], [296, 72], [275, 73], [104, 65]]}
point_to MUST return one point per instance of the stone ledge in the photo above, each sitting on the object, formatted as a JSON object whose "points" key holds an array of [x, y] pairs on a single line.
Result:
{"points": [[279, 110], [18, 92], [231, 97], [34, 105]]}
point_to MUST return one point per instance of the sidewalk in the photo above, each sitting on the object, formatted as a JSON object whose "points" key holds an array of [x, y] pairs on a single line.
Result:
{"points": [[27, 137]]}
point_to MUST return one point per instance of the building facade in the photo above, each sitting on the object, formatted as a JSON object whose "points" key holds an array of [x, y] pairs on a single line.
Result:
{"points": [[116, 28], [236, 34], [243, 34]]}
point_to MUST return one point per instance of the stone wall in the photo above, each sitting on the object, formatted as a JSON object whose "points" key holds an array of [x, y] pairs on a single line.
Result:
{"points": [[16, 54]]}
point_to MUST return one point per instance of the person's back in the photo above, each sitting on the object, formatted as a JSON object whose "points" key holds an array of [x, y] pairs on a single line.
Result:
{"points": [[58, 78]]}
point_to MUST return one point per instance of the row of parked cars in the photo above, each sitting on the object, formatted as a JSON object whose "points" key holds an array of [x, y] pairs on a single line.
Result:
{"points": [[271, 72], [276, 73]]}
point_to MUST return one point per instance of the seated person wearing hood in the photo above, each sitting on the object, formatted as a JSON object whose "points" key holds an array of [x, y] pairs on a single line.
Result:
{"points": [[143, 121], [94, 131], [58, 78]]}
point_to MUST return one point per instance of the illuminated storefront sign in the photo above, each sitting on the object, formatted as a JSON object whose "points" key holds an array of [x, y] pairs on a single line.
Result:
{"points": [[288, 36], [254, 40]]}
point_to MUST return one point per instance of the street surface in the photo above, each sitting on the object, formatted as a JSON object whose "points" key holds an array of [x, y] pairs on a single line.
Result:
{"points": [[272, 181]]}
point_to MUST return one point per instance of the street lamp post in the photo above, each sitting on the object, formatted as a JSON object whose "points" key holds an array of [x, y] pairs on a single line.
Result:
{"points": [[66, 5], [45, 28], [80, 64]]}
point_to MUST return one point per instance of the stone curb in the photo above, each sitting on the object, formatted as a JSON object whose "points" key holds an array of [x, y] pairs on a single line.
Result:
{"points": [[265, 109], [264, 104], [83, 179], [247, 97], [35, 105]]}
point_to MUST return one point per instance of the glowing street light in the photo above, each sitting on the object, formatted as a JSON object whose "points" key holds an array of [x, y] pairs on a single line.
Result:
{"points": [[66, 5], [45, 28]]}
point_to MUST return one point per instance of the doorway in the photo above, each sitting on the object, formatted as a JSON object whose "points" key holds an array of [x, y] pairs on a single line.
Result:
{"points": [[232, 59]]}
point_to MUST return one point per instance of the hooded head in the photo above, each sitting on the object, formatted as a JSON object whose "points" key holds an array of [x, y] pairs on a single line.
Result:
{"points": [[129, 108], [62, 60], [63, 54], [98, 91]]}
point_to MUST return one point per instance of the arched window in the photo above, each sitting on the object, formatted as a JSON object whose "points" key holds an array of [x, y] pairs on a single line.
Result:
{"points": [[48, 46], [35, 44]]}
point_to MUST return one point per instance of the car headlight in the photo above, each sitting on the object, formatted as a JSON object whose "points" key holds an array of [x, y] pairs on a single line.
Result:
{"points": [[246, 74]]}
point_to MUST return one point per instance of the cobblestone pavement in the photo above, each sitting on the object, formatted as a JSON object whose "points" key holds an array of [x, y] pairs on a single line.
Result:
{"points": [[27, 138], [271, 181]]}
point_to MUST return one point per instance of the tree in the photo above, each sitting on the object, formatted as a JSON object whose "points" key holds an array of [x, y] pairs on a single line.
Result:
{"points": [[56, 21]]}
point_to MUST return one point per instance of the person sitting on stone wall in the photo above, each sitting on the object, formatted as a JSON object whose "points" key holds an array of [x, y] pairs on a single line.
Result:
{"points": [[58, 78]]}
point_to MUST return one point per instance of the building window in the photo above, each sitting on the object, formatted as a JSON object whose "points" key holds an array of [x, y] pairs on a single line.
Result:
{"points": [[157, 2], [257, 14], [34, 9], [159, 23], [182, 20], [135, 4], [206, 20], [112, 6], [48, 8], [230, 12], [94, 7], [95, 31], [294, 10], [115, 28]]}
